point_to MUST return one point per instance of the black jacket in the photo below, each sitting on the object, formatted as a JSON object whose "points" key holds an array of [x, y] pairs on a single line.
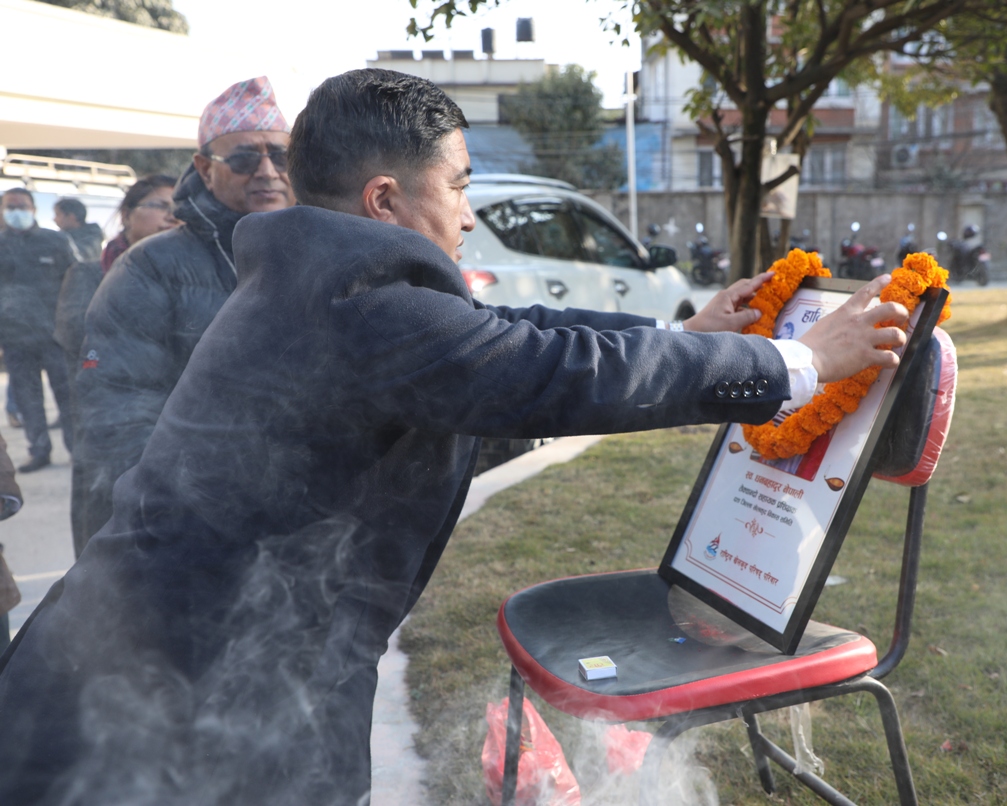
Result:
{"points": [[141, 327], [79, 285], [32, 265], [88, 239], [293, 501]]}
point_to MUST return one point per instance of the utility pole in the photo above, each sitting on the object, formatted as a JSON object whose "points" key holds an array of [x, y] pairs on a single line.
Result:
{"points": [[631, 153]]}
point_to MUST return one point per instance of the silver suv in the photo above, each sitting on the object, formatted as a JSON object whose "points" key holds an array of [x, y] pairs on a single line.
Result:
{"points": [[540, 241]]}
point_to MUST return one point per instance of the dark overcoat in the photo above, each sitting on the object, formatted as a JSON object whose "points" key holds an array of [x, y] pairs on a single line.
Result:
{"points": [[217, 642]]}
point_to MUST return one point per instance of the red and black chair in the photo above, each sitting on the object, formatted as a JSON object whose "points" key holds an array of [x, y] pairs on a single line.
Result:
{"points": [[691, 683]]}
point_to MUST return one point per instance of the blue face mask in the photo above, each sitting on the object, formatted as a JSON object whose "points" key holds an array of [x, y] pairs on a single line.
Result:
{"points": [[18, 219]]}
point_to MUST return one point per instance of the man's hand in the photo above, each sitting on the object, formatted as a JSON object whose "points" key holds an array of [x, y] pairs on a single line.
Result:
{"points": [[847, 341], [725, 312]]}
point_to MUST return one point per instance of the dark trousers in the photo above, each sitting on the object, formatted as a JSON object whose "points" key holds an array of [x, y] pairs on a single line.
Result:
{"points": [[25, 362]]}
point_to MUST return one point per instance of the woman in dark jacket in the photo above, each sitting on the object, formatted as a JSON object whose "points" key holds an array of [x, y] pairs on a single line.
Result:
{"points": [[147, 209]]}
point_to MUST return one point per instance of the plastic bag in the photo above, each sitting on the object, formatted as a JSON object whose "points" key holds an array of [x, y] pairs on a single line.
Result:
{"points": [[625, 749], [543, 778], [800, 730]]}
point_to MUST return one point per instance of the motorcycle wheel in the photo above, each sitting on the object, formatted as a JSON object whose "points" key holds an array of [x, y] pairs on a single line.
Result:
{"points": [[982, 275], [719, 276], [699, 276]]}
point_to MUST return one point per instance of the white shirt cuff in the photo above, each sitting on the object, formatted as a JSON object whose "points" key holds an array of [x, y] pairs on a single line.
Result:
{"points": [[803, 375]]}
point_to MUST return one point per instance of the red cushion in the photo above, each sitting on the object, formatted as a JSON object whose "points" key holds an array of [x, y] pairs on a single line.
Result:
{"points": [[547, 628]]}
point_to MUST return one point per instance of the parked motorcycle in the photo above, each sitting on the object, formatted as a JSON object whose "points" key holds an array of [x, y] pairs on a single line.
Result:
{"points": [[908, 244], [967, 262], [709, 265], [803, 242], [859, 262]]}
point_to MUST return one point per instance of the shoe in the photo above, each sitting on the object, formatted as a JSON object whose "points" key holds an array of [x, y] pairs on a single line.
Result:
{"points": [[13, 420], [35, 463]]}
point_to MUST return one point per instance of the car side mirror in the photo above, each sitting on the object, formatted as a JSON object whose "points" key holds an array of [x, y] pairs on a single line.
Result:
{"points": [[661, 256]]}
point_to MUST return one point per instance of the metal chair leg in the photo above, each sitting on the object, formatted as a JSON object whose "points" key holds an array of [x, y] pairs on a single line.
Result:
{"points": [[512, 752], [761, 761], [896, 743]]}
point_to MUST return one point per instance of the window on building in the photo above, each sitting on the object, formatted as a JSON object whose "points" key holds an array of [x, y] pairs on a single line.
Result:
{"points": [[838, 89], [942, 124], [825, 165], [899, 126], [710, 169], [985, 128]]}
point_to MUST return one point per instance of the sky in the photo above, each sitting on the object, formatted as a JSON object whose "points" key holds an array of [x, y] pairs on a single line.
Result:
{"points": [[302, 42]]}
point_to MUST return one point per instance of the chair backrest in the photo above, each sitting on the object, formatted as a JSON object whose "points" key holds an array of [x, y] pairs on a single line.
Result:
{"points": [[908, 452]]}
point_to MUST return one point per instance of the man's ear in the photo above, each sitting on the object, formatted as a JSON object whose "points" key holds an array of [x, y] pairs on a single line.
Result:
{"points": [[202, 165], [380, 199]]}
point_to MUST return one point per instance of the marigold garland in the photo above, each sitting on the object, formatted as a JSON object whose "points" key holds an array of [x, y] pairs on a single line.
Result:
{"points": [[793, 437]]}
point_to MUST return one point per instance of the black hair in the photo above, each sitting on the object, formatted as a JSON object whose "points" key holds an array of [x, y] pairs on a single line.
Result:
{"points": [[21, 191], [142, 188], [74, 207], [364, 123]]}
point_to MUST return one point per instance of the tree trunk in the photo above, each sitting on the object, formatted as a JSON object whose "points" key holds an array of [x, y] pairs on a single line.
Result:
{"points": [[744, 218], [998, 99]]}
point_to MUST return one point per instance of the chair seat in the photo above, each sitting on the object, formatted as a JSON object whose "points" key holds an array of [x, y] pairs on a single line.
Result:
{"points": [[547, 628]]}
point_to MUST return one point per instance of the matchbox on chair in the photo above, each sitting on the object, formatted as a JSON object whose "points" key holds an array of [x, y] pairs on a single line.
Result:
{"points": [[728, 666]]}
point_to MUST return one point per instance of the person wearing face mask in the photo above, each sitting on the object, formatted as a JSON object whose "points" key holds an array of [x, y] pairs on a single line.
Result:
{"points": [[33, 262], [162, 293], [146, 209]]}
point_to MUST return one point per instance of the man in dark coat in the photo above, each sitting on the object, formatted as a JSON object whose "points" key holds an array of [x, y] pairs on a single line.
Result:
{"points": [[70, 216], [33, 262], [159, 297], [311, 463]]}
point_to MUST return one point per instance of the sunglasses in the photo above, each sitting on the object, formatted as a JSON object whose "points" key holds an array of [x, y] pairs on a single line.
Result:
{"points": [[247, 162], [163, 206]]}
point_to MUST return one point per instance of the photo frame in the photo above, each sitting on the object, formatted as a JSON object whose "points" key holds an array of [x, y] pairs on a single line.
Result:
{"points": [[757, 539]]}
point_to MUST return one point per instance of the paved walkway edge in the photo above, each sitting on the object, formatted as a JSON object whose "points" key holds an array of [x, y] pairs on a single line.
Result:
{"points": [[397, 772]]}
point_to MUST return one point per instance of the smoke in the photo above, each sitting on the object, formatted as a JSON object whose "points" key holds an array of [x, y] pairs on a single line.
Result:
{"points": [[256, 725], [683, 781]]}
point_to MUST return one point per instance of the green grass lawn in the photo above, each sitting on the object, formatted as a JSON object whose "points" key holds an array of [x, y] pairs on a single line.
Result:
{"points": [[615, 508]]}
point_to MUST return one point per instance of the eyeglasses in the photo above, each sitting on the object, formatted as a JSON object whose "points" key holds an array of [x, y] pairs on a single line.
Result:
{"points": [[163, 206], [247, 162]]}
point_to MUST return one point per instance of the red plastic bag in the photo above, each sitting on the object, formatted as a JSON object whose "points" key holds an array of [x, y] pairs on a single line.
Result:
{"points": [[543, 776], [625, 749]]}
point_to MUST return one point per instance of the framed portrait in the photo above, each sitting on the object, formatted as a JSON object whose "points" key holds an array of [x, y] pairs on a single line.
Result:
{"points": [[758, 537]]}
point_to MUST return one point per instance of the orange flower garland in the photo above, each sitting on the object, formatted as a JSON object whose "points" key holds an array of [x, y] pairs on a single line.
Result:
{"points": [[793, 437]]}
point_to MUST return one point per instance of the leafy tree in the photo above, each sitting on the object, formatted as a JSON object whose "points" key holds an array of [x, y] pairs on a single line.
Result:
{"points": [[149, 13], [761, 54], [979, 47], [561, 118]]}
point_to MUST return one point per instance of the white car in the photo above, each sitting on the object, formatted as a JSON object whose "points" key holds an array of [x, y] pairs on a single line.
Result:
{"points": [[539, 241]]}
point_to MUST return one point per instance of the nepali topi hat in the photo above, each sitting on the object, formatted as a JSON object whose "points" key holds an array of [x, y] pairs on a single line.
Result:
{"points": [[248, 106]]}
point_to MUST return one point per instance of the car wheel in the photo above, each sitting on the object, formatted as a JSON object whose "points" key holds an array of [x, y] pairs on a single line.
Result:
{"points": [[685, 311]]}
